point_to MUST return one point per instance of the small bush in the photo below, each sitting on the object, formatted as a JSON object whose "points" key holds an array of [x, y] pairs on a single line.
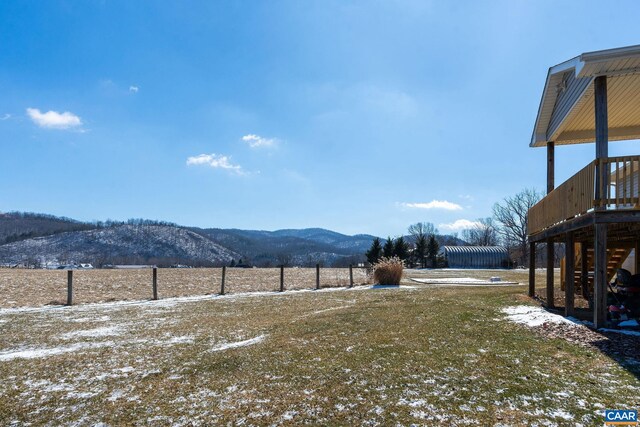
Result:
{"points": [[388, 271]]}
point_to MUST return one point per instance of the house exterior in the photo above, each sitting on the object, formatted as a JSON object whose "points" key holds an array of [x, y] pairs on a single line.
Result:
{"points": [[592, 98]]}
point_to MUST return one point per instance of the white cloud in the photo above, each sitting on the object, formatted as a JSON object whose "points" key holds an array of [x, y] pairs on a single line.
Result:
{"points": [[459, 225], [53, 119], [7, 116], [434, 204], [215, 161], [256, 141], [134, 89]]}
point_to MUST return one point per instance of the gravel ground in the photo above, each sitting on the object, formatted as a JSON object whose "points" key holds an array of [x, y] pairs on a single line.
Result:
{"points": [[615, 344]]}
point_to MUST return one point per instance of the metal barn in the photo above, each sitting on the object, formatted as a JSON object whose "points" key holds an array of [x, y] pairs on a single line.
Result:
{"points": [[476, 256]]}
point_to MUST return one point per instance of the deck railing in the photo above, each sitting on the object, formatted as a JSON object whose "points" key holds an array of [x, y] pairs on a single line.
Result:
{"points": [[619, 186]]}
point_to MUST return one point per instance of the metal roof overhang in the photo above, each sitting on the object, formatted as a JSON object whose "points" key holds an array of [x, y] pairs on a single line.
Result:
{"points": [[566, 112]]}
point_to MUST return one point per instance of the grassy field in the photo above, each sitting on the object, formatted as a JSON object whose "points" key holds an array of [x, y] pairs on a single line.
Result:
{"points": [[23, 288], [417, 354]]}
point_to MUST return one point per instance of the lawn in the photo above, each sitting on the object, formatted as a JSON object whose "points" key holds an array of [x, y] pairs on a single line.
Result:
{"points": [[418, 354]]}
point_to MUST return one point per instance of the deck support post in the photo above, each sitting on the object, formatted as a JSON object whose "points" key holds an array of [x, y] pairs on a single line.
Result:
{"points": [[550, 271], [532, 269], [584, 270], [569, 275], [602, 140], [550, 166], [550, 248], [600, 276], [602, 176]]}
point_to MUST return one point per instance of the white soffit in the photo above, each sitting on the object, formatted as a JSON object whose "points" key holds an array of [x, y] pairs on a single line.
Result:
{"points": [[566, 112]]}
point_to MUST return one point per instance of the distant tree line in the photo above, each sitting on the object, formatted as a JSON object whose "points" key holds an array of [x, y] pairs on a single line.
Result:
{"points": [[420, 249], [132, 221], [507, 227]]}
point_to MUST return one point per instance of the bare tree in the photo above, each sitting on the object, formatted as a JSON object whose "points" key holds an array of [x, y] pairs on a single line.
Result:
{"points": [[512, 215], [483, 233], [422, 228], [420, 233]]}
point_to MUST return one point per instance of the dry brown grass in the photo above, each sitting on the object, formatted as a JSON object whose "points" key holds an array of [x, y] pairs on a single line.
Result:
{"points": [[388, 271], [412, 355], [23, 288]]}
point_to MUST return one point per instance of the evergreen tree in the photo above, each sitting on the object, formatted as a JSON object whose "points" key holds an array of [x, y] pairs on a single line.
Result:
{"points": [[233, 263], [401, 248], [387, 249], [375, 252], [432, 250], [420, 251]]}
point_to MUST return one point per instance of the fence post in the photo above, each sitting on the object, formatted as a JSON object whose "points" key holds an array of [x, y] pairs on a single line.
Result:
{"points": [[351, 275], [155, 283], [317, 276], [282, 278], [224, 273], [69, 287]]}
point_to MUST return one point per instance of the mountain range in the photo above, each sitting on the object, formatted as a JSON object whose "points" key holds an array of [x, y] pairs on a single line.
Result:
{"points": [[45, 240], [31, 239]]}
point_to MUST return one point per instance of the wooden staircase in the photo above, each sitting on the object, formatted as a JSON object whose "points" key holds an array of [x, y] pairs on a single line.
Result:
{"points": [[615, 258]]}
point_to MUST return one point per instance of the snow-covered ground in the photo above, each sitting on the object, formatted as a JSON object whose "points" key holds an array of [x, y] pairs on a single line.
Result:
{"points": [[534, 316], [464, 281]]}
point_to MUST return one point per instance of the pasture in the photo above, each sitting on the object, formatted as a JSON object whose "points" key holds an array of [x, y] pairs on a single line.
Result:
{"points": [[418, 354], [22, 287]]}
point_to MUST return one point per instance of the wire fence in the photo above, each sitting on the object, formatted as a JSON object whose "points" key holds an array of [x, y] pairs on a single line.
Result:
{"points": [[25, 287]]}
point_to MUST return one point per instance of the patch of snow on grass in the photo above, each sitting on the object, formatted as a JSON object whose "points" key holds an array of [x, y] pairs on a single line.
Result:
{"points": [[560, 413], [90, 319], [117, 394], [237, 344], [533, 316], [97, 332], [331, 309], [186, 339], [46, 352], [463, 281]]}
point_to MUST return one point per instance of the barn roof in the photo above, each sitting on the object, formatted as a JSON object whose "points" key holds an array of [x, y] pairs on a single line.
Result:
{"points": [[475, 250], [566, 112]]}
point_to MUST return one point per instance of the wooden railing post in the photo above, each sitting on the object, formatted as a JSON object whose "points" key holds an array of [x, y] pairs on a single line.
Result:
{"points": [[70, 287], [282, 278], [224, 273], [155, 283], [317, 276]]}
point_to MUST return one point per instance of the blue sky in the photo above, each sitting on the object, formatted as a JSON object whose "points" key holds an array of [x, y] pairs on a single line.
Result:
{"points": [[362, 117]]}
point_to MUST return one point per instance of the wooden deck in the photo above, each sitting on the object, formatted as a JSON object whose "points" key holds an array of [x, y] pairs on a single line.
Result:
{"points": [[605, 185]]}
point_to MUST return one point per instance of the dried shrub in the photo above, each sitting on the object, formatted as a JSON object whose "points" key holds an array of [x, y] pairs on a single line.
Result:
{"points": [[388, 271]]}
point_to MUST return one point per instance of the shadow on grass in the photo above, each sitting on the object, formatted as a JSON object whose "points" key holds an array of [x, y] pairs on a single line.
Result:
{"points": [[619, 345]]}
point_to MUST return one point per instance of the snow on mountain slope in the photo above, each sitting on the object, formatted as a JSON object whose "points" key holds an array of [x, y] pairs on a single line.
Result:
{"points": [[137, 243]]}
